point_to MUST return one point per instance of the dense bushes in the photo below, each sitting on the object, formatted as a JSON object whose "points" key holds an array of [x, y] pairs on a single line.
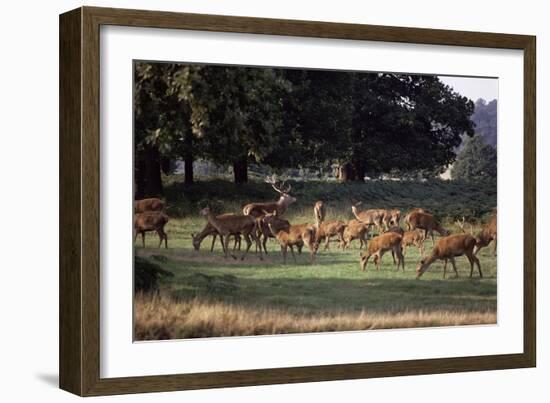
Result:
{"points": [[453, 199]]}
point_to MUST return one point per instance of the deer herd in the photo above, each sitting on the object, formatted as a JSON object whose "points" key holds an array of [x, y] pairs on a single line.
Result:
{"points": [[261, 221]]}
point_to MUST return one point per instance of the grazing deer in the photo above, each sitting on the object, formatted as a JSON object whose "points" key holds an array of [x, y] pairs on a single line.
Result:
{"points": [[210, 230], [428, 223], [449, 247], [391, 218], [259, 209], [369, 217], [151, 221], [413, 238], [486, 235], [152, 204], [234, 224], [319, 212], [380, 245], [327, 230], [264, 230], [408, 216], [294, 235], [355, 230]]}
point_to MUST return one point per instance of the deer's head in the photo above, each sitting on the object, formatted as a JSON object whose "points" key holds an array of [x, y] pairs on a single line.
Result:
{"points": [[283, 190]]}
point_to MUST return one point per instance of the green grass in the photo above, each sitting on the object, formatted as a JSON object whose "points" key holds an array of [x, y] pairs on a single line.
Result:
{"points": [[334, 283], [279, 296]]}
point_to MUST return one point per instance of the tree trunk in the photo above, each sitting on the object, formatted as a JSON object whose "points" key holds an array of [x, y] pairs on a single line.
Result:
{"points": [[240, 170], [346, 172], [152, 180], [359, 170], [188, 170], [139, 176], [188, 159]]}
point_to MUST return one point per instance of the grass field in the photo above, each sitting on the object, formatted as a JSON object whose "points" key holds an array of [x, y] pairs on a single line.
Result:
{"points": [[210, 296]]}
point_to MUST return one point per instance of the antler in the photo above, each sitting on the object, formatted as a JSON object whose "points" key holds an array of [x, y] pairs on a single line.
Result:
{"points": [[272, 180], [460, 224]]}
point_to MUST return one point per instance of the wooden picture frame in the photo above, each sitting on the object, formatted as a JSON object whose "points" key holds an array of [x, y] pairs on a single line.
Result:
{"points": [[80, 184]]}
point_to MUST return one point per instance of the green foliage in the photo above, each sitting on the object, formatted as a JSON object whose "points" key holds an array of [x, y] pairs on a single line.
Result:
{"points": [[454, 199], [477, 160], [282, 118], [147, 274]]}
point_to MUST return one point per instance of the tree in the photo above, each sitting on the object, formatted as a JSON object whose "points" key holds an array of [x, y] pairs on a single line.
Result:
{"points": [[485, 119], [476, 160], [236, 111]]}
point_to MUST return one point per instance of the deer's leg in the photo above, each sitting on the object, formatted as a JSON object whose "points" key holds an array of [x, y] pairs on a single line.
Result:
{"points": [[495, 247], [225, 241], [264, 243], [445, 269], [283, 249], [401, 257], [256, 239], [433, 241], [364, 260], [393, 255], [292, 252], [248, 245], [327, 240], [452, 259], [214, 236], [163, 236], [143, 238], [135, 235]]}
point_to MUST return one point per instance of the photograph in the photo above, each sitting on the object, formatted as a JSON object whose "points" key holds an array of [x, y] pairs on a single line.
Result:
{"points": [[276, 200]]}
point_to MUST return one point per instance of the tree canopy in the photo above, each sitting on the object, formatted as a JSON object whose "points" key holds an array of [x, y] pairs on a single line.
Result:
{"points": [[376, 123], [476, 160]]}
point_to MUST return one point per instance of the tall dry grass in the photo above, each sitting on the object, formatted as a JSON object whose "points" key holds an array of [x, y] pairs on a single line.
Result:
{"points": [[159, 318]]}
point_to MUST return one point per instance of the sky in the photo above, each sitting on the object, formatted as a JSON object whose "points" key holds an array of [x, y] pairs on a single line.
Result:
{"points": [[473, 87]]}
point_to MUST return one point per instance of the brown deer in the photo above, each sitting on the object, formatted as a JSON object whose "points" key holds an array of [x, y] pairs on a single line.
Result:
{"points": [[152, 204], [259, 209], [294, 235], [428, 223], [370, 217], [355, 230], [210, 230], [319, 212], [380, 245], [413, 238], [449, 247], [151, 221], [234, 224], [391, 218], [486, 235], [408, 216], [327, 230], [264, 230]]}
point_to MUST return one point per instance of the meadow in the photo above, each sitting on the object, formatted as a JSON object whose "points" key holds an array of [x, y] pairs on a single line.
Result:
{"points": [[210, 296]]}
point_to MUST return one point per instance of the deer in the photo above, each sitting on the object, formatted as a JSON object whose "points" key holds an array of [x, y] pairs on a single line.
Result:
{"points": [[428, 223], [486, 235], [381, 244], [408, 216], [257, 210], [413, 238], [151, 204], [327, 230], [391, 218], [369, 217], [265, 232], [151, 221], [294, 235], [449, 247], [355, 230], [210, 230], [234, 224], [319, 213]]}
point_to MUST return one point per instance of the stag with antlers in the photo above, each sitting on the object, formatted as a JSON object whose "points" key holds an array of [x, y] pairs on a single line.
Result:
{"points": [[280, 206]]}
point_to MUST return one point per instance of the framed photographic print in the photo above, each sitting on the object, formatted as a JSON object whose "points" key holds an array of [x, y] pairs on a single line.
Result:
{"points": [[249, 201]]}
